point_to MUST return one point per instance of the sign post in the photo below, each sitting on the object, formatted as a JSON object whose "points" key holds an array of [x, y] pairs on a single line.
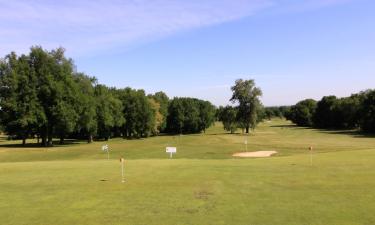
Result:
{"points": [[171, 151], [246, 143], [311, 155], [122, 161], [105, 148]]}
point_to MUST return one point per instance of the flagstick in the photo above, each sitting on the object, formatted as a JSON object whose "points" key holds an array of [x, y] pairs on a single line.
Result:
{"points": [[247, 137], [122, 171]]}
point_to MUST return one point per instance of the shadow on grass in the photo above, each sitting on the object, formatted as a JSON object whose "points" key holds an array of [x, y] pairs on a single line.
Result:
{"points": [[223, 133], [36, 145], [353, 133], [286, 126]]}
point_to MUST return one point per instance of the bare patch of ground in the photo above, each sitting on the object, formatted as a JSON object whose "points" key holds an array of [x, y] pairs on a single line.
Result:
{"points": [[259, 154]]}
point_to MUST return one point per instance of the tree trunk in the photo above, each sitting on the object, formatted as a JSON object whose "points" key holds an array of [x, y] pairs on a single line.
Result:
{"points": [[247, 130], [49, 136], [44, 142], [61, 140], [49, 143], [44, 137], [23, 141], [37, 138], [89, 140]]}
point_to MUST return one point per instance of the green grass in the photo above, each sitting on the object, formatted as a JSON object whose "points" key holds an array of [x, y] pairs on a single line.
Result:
{"points": [[203, 184]]}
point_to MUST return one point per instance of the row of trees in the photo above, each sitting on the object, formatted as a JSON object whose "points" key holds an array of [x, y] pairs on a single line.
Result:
{"points": [[43, 96], [354, 112]]}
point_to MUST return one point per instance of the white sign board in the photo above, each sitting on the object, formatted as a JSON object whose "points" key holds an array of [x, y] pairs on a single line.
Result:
{"points": [[105, 148], [171, 150]]}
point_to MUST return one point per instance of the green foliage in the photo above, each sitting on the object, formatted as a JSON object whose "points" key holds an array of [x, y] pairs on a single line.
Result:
{"points": [[189, 115], [274, 111], [87, 124], [302, 113], [228, 116], [367, 112], [139, 113], [41, 94], [326, 110], [163, 100], [247, 95], [108, 111], [21, 113], [354, 112]]}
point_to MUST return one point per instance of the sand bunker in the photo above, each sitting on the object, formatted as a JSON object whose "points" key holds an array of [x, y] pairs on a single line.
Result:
{"points": [[259, 154]]}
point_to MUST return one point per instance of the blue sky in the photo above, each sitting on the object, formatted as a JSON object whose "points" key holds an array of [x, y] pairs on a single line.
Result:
{"points": [[294, 49]]}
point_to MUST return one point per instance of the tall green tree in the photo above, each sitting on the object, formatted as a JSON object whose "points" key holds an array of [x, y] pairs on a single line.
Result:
{"points": [[163, 100], [139, 113], [367, 121], [108, 112], [302, 113], [20, 110], [206, 115], [87, 123], [325, 113], [189, 115], [247, 95], [228, 116]]}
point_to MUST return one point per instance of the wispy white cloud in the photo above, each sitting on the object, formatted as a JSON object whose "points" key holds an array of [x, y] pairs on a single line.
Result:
{"points": [[86, 26]]}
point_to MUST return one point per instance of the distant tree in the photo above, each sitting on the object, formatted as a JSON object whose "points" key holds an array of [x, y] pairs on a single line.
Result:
{"points": [[206, 115], [145, 116], [325, 113], [347, 112], [189, 115], [284, 110], [20, 111], [367, 112], [302, 113], [139, 113], [108, 111], [158, 117], [218, 113], [176, 116], [162, 99], [228, 116], [247, 95], [87, 123]]}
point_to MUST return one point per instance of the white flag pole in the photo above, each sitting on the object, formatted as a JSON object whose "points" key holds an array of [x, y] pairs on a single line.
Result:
{"points": [[122, 170]]}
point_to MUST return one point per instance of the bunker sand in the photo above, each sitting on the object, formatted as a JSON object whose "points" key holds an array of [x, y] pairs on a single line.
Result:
{"points": [[259, 154]]}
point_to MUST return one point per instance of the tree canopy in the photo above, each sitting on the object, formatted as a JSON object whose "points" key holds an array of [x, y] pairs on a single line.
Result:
{"points": [[247, 95], [43, 96]]}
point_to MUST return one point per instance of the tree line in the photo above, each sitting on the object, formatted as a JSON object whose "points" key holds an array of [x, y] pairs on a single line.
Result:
{"points": [[354, 112], [43, 96]]}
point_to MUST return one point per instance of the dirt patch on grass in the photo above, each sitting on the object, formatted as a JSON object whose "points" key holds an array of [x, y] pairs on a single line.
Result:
{"points": [[202, 195], [259, 154]]}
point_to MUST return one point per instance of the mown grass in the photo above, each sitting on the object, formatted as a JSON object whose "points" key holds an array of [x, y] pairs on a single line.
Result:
{"points": [[203, 184]]}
